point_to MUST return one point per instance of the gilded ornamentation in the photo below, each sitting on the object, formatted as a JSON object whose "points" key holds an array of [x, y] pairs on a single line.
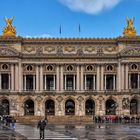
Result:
{"points": [[129, 30], [89, 49], [50, 49], [29, 48], [69, 49], [9, 30], [110, 48]]}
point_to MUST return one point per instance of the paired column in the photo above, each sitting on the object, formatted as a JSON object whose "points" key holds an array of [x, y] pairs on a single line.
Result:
{"points": [[0, 81], [119, 75], [98, 77], [105, 82], [24, 82], [78, 81], [82, 78], [61, 79], [57, 78], [41, 77], [12, 77], [126, 76], [102, 77], [37, 78]]}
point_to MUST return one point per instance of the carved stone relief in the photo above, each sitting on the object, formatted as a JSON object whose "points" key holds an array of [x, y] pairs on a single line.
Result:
{"points": [[110, 48], [7, 52], [49, 49], [29, 49]]}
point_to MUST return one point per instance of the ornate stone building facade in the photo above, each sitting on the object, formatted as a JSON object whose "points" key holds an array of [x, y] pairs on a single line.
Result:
{"points": [[70, 76]]}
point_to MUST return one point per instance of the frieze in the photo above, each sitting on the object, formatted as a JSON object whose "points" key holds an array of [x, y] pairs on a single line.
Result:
{"points": [[110, 48], [29, 49], [131, 52], [49, 49], [8, 52], [69, 49], [89, 49]]}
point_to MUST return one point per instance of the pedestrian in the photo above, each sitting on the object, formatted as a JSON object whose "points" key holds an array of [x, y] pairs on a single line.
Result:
{"points": [[41, 126], [13, 122]]}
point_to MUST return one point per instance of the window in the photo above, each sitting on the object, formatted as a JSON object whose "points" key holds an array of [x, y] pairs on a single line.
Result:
{"points": [[29, 68]]}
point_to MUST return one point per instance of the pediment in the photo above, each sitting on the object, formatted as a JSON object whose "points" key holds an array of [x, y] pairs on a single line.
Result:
{"points": [[131, 52], [4, 51]]}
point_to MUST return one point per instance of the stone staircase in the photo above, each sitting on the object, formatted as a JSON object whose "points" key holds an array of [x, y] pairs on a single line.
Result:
{"points": [[56, 119]]}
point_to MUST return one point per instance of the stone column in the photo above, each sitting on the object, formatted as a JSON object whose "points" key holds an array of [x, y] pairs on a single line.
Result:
{"points": [[105, 82], [20, 76], [102, 77], [98, 78], [122, 77], [74, 82], [82, 78], [77, 81], [126, 76], [65, 81], [25, 82], [37, 78], [34, 82], [12, 77], [57, 78], [9, 82], [94, 88], [85, 82], [61, 79], [119, 75], [0, 81], [54, 82], [41, 78], [138, 81], [114, 82], [45, 82], [129, 81], [16, 77]]}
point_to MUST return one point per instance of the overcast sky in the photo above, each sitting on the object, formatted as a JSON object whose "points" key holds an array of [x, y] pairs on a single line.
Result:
{"points": [[43, 18]]}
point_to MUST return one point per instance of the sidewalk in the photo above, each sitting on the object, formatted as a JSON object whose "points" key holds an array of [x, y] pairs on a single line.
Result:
{"points": [[7, 133]]}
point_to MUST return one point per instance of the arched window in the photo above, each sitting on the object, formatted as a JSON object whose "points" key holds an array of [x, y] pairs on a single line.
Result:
{"points": [[111, 107], [69, 107], [134, 107], [4, 107], [90, 107], [29, 107], [49, 107]]}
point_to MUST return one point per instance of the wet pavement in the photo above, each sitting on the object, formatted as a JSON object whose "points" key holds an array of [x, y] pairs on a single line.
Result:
{"points": [[7, 133], [83, 132]]}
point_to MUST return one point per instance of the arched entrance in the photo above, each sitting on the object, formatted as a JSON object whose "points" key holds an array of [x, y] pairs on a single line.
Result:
{"points": [[69, 107], [90, 107], [49, 107], [111, 107], [4, 107], [134, 107], [29, 107]]}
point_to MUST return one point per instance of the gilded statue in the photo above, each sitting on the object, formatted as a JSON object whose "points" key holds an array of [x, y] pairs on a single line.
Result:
{"points": [[130, 22], [129, 31], [9, 30]]}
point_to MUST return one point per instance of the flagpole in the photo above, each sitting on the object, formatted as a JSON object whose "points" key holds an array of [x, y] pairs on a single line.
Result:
{"points": [[60, 30], [79, 30]]}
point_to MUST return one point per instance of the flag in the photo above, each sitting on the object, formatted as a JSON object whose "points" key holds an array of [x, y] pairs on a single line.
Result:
{"points": [[60, 30], [79, 29]]}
